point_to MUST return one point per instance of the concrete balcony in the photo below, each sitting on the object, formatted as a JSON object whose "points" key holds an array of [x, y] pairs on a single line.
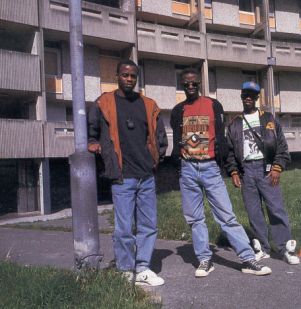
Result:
{"points": [[21, 139], [293, 138], [287, 54], [23, 12], [19, 71], [58, 139], [230, 49], [98, 21], [168, 43]]}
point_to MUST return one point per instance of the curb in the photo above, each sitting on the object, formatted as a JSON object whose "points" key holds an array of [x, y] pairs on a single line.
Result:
{"points": [[66, 213]]}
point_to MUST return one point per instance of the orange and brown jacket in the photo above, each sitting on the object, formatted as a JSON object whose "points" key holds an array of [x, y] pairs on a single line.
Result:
{"points": [[104, 138]]}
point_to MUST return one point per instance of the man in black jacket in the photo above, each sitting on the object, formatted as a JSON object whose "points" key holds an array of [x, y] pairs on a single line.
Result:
{"points": [[199, 144], [258, 153], [125, 128]]}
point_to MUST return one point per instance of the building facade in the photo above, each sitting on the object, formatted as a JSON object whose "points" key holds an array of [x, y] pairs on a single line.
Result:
{"points": [[229, 41]]}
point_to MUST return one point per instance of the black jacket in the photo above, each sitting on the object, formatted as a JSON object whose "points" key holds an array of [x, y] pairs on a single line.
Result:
{"points": [[98, 133], [274, 146], [176, 122]]}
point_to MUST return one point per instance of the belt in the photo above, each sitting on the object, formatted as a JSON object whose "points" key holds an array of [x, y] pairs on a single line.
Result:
{"points": [[253, 161]]}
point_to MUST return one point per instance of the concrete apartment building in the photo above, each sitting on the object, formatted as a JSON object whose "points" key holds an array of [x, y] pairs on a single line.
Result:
{"points": [[229, 40]]}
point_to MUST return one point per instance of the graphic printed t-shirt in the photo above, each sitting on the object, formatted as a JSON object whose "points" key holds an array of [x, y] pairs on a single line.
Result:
{"points": [[198, 133], [251, 150]]}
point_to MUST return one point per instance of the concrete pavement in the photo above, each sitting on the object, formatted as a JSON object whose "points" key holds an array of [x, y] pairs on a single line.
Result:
{"points": [[226, 287]]}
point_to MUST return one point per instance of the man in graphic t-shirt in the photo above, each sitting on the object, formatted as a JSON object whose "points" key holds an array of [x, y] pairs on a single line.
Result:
{"points": [[199, 144], [258, 153]]}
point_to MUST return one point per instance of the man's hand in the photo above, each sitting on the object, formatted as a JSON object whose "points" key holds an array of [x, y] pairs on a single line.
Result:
{"points": [[274, 177], [94, 148], [236, 180]]}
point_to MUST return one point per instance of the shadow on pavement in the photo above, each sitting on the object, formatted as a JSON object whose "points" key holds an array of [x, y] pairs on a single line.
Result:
{"points": [[187, 253], [158, 256]]}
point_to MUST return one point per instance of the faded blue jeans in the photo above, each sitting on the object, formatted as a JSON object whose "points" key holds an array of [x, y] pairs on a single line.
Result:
{"points": [[202, 177], [135, 199]]}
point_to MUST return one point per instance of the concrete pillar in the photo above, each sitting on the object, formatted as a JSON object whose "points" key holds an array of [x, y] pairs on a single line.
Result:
{"points": [[270, 60], [130, 6], [205, 78], [41, 114], [204, 65], [270, 89], [44, 187]]}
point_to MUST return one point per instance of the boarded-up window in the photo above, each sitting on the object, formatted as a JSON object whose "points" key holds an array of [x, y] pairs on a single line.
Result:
{"points": [[108, 67]]}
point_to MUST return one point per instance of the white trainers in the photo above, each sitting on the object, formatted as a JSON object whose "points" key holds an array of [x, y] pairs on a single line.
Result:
{"points": [[148, 277], [259, 254], [289, 254]]}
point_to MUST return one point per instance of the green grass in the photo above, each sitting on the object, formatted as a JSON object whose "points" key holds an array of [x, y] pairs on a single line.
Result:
{"points": [[46, 288], [172, 225]]}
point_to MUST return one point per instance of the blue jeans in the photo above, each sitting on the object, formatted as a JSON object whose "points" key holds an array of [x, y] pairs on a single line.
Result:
{"points": [[255, 188], [134, 200], [196, 179]]}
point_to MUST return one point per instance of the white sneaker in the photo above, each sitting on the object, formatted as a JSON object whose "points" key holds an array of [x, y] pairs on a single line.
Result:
{"points": [[259, 254], [148, 277], [289, 254]]}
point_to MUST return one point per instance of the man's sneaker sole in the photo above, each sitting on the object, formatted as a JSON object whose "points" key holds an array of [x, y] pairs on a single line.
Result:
{"points": [[141, 283], [264, 271], [202, 273]]}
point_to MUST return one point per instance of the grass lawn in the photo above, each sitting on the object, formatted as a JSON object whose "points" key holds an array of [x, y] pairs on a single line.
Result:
{"points": [[172, 225], [48, 288]]}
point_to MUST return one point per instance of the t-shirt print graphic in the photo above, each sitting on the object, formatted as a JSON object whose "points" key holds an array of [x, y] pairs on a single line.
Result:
{"points": [[195, 137]]}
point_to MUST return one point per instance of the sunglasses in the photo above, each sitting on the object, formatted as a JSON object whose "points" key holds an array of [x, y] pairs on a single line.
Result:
{"points": [[253, 96], [192, 83]]}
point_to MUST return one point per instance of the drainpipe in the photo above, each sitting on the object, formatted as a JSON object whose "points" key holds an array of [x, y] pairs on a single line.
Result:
{"points": [[82, 163], [204, 63], [271, 61]]}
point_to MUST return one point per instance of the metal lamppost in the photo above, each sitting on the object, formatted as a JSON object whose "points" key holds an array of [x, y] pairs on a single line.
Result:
{"points": [[82, 163]]}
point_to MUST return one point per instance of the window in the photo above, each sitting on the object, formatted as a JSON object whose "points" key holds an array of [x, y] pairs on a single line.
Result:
{"points": [[183, 1], [208, 3], [178, 70], [141, 76], [296, 121], [52, 62], [272, 8], [112, 3], [246, 5], [250, 76]]}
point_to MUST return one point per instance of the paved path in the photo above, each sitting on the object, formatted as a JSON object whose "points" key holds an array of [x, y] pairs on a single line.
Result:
{"points": [[226, 287]]}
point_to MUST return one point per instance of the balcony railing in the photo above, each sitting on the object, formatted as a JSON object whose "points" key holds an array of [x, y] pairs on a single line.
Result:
{"points": [[22, 12], [287, 54], [293, 138], [171, 41], [58, 139], [19, 71], [236, 49], [21, 139], [35, 139], [99, 21]]}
